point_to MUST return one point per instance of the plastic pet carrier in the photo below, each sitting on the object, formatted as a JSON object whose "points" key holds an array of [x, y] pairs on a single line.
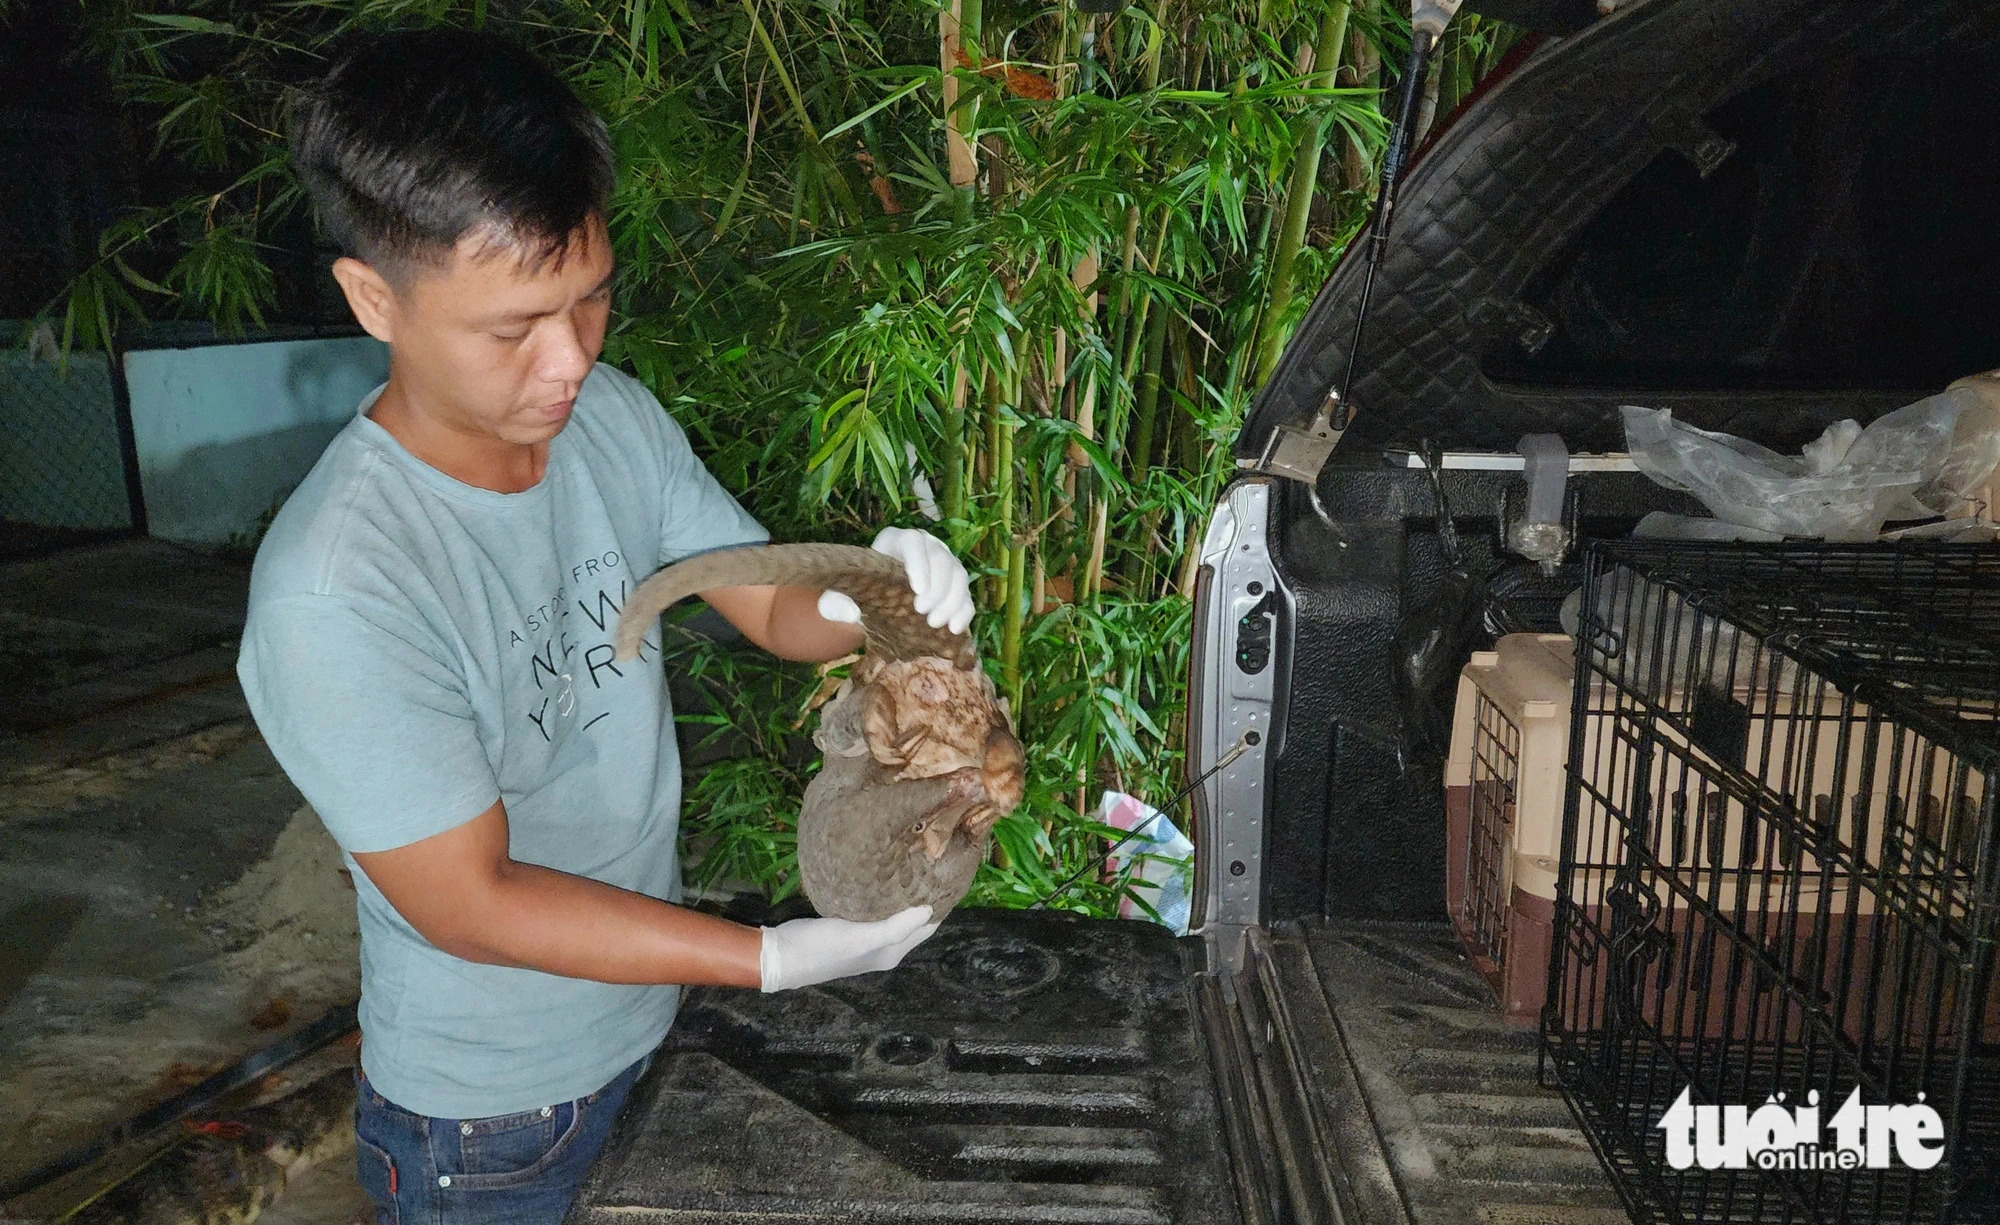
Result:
{"points": [[1771, 993], [1503, 812]]}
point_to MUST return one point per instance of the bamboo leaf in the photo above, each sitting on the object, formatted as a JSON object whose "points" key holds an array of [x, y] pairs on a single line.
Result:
{"points": [[912, 86], [187, 23]]}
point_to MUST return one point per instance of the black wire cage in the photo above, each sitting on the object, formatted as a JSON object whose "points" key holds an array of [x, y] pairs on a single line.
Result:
{"points": [[1778, 886]]}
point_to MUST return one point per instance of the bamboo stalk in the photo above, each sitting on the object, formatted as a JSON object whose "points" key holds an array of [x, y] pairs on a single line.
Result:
{"points": [[989, 401], [1080, 485], [1013, 551], [1086, 423], [1058, 367], [1059, 69], [998, 475], [996, 169], [1247, 349], [1135, 343], [1299, 194], [954, 448], [1147, 398], [1190, 566], [1066, 409], [1366, 63], [1032, 540], [1140, 333], [1427, 107], [952, 35], [1158, 49], [1121, 311], [1093, 571], [1080, 407], [979, 441], [1145, 416], [1183, 446]]}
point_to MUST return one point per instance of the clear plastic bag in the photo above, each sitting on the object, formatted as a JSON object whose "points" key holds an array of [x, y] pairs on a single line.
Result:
{"points": [[1922, 460], [1664, 640]]}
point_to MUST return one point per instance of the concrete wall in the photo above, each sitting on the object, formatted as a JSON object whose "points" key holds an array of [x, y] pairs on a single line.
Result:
{"points": [[225, 432]]}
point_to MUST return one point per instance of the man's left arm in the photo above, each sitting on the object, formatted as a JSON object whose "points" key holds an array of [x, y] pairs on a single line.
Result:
{"points": [[790, 622], [785, 621], [804, 624]]}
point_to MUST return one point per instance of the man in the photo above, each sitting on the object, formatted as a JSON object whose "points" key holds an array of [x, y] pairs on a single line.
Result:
{"points": [[428, 646]]}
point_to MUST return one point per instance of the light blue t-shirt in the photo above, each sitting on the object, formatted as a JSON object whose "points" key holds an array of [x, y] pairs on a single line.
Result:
{"points": [[416, 649]]}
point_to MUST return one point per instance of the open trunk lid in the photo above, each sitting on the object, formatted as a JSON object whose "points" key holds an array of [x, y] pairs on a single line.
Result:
{"points": [[1766, 217]]}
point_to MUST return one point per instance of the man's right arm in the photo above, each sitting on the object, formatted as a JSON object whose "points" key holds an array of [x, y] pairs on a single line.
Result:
{"points": [[463, 893], [341, 698]]}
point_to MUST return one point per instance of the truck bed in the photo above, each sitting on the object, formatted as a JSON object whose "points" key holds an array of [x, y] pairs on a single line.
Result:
{"points": [[1390, 1088], [1018, 1067], [1037, 1068]]}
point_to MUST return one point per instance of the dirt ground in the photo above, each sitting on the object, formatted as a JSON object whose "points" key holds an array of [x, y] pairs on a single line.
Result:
{"points": [[169, 904]]}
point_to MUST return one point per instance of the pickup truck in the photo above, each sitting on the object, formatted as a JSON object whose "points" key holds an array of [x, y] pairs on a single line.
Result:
{"points": [[1765, 216]]}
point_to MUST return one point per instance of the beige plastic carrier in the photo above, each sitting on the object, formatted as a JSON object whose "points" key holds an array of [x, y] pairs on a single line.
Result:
{"points": [[1504, 786], [1507, 771]]}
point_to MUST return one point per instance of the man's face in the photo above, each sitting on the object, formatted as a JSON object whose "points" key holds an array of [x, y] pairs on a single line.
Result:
{"points": [[495, 349]]}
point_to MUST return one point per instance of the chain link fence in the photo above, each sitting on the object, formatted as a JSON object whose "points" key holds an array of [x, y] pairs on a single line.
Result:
{"points": [[62, 463]]}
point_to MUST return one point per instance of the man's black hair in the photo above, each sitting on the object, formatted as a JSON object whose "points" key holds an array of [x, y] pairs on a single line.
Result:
{"points": [[415, 139]]}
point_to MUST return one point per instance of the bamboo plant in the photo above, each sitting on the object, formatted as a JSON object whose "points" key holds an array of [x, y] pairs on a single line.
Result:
{"points": [[1007, 271]]}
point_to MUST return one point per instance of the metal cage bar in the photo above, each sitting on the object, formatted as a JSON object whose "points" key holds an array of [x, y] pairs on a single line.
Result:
{"points": [[1778, 870]]}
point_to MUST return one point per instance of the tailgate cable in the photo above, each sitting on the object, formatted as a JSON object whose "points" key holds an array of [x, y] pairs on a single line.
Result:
{"points": [[1235, 751]]}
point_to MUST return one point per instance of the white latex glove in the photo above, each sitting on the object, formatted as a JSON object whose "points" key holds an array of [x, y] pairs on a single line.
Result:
{"points": [[943, 591], [807, 951]]}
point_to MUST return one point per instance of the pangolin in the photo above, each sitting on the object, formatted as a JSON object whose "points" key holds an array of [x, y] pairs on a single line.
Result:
{"points": [[920, 760]]}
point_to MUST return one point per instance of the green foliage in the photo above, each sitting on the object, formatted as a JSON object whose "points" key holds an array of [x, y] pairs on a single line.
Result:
{"points": [[221, 276], [1063, 344], [742, 797]]}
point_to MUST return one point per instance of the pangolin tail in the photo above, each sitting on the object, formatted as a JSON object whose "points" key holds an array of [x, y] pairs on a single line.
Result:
{"points": [[874, 581]]}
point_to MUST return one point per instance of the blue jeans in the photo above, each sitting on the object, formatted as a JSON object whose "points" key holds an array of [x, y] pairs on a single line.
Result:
{"points": [[521, 1169]]}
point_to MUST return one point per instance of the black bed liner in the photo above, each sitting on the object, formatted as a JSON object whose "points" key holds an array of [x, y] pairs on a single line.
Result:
{"points": [[1037, 1067], [1018, 1067], [1384, 1089], [1451, 1091]]}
